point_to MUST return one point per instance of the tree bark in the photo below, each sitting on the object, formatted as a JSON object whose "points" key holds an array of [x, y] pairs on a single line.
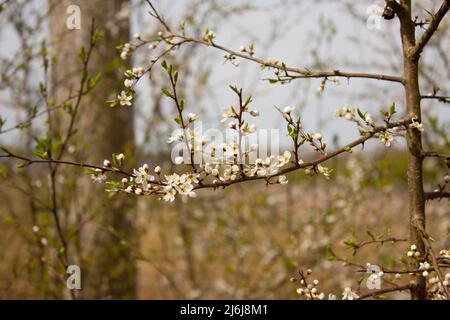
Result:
{"points": [[414, 140], [107, 268]]}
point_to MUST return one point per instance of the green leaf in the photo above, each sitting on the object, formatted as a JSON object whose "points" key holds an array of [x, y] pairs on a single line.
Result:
{"points": [[43, 147], [235, 89], [92, 82], [292, 132], [23, 165], [44, 51], [247, 101], [166, 92], [331, 256], [42, 89], [352, 245], [182, 104], [392, 108], [371, 235], [67, 106], [130, 74], [164, 64], [41, 154], [112, 103], [2, 122], [181, 26], [82, 54], [96, 37], [361, 115], [115, 163]]}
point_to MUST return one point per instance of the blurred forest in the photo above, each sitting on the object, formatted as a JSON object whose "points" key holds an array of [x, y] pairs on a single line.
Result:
{"points": [[247, 241]]}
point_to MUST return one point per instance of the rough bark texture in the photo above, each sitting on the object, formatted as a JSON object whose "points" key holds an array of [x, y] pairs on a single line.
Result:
{"points": [[414, 139], [107, 268]]}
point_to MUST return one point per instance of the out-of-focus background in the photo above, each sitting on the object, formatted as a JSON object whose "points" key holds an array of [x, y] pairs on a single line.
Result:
{"points": [[248, 240]]}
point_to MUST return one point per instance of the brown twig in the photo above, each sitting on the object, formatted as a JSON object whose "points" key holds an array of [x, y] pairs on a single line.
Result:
{"points": [[301, 73], [386, 290], [434, 24]]}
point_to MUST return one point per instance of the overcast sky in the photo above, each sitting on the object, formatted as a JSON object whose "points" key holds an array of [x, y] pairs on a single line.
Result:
{"points": [[300, 23]]}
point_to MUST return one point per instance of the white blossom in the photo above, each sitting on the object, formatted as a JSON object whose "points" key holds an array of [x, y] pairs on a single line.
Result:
{"points": [[254, 113], [287, 110], [386, 138], [424, 265], [128, 83], [227, 114], [324, 170], [124, 99], [417, 125], [192, 117], [170, 193], [179, 160], [368, 119], [247, 128], [142, 176], [284, 159], [282, 180], [346, 112], [348, 294], [44, 241], [139, 71], [176, 135], [98, 176]]}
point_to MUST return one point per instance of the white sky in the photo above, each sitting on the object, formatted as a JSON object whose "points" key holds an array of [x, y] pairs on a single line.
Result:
{"points": [[294, 47]]}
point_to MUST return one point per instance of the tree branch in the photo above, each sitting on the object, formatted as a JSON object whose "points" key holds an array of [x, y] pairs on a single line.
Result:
{"points": [[436, 195], [386, 290], [434, 24], [29, 161], [443, 99], [301, 73], [315, 162]]}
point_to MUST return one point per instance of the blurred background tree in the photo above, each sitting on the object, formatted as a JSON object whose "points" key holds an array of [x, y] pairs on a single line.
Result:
{"points": [[99, 133]]}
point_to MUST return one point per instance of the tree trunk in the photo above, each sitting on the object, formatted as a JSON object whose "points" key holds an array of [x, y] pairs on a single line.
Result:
{"points": [[414, 140], [107, 268]]}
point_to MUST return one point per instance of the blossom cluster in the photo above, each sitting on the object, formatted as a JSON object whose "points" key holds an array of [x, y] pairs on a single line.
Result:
{"points": [[309, 289]]}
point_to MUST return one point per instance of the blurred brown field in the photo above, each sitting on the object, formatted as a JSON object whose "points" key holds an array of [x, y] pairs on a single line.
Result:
{"points": [[247, 241]]}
